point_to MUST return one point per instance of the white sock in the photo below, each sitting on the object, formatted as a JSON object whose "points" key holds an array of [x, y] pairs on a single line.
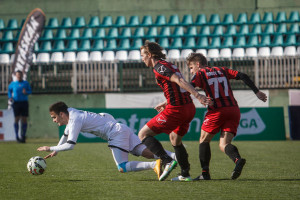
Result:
{"points": [[171, 154], [138, 166]]}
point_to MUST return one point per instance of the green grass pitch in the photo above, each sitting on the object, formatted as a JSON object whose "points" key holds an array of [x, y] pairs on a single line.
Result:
{"points": [[272, 171]]}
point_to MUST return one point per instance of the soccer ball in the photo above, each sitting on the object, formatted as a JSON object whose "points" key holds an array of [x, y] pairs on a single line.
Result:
{"points": [[36, 165]]}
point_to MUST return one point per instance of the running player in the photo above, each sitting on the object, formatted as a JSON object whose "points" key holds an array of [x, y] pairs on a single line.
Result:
{"points": [[121, 138], [223, 115], [175, 113]]}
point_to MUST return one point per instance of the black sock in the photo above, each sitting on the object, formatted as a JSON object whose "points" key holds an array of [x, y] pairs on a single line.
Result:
{"points": [[182, 158], [156, 148], [232, 152], [204, 155]]}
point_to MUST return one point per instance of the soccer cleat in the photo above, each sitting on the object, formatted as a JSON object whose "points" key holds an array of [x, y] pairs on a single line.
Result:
{"points": [[168, 168], [182, 178], [203, 176], [157, 168], [238, 168], [23, 140]]}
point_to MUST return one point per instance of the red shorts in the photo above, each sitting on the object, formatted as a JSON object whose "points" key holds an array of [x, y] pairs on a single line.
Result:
{"points": [[173, 118], [225, 118]]}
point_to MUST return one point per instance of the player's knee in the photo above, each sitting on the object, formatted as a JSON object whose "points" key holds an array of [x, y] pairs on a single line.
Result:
{"points": [[141, 135], [222, 147], [122, 167]]}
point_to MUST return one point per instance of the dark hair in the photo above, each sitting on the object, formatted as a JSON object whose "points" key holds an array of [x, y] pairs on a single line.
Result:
{"points": [[197, 57], [19, 71], [154, 48], [59, 107]]}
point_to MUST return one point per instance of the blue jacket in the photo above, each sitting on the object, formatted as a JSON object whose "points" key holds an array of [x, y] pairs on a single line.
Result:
{"points": [[15, 90]]}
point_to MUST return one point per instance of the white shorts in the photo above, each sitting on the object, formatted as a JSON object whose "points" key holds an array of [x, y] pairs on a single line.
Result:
{"points": [[122, 142], [122, 137]]}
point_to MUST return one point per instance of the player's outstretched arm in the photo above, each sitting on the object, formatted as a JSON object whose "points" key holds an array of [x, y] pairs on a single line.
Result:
{"points": [[46, 148], [245, 78]]}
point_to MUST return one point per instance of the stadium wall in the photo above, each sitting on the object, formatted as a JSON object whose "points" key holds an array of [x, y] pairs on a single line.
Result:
{"points": [[41, 125], [19, 9]]}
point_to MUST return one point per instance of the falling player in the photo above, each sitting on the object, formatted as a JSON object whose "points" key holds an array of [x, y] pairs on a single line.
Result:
{"points": [[121, 138]]}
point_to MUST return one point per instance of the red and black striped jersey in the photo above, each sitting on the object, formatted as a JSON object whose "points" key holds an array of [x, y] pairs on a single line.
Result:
{"points": [[215, 83], [175, 95]]}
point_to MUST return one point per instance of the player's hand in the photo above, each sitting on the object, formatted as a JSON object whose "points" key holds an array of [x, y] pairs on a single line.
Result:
{"points": [[24, 91], [44, 148], [160, 107], [262, 96], [204, 100], [54, 153]]}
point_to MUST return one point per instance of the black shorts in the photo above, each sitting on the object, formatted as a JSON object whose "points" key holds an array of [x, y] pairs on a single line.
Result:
{"points": [[20, 108]]}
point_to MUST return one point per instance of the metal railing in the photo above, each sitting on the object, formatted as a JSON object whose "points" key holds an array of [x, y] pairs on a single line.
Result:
{"points": [[47, 78], [267, 73], [281, 72], [95, 77], [5, 77]]}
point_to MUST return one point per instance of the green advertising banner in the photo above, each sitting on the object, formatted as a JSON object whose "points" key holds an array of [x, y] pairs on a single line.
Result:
{"points": [[255, 123]]}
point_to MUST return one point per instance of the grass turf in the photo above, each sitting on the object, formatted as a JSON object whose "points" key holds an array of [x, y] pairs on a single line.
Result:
{"points": [[272, 171]]}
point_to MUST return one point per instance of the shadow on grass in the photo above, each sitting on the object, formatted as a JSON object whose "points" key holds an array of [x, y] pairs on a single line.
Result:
{"points": [[216, 180], [254, 179], [68, 180], [270, 180]]}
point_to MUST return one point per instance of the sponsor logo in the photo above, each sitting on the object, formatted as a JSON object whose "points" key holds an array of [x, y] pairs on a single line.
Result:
{"points": [[161, 69], [161, 119], [205, 121], [251, 123]]}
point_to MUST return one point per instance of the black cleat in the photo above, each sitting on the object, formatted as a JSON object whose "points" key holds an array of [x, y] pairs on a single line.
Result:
{"points": [[22, 140], [238, 168], [203, 176]]}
